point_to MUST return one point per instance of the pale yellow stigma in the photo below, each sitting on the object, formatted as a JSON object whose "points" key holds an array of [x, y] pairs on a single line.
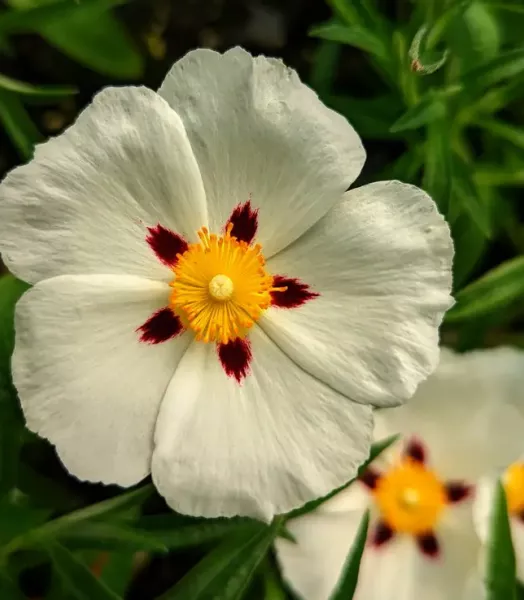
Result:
{"points": [[221, 287]]}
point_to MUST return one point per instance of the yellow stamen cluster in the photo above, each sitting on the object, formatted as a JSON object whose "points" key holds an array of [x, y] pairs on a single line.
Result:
{"points": [[513, 482], [221, 287], [410, 497]]}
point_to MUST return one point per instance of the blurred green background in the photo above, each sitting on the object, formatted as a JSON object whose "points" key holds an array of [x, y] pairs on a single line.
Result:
{"points": [[436, 90]]}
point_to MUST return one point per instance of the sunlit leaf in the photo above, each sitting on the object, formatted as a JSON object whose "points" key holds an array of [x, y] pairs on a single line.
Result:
{"points": [[352, 35], [495, 291], [347, 582], [77, 578], [92, 36], [31, 16], [18, 124], [500, 569], [504, 66]]}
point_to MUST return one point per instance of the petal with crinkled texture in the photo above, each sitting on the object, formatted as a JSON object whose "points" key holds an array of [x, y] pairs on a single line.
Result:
{"points": [[260, 447], [470, 398], [83, 204], [85, 381], [258, 132], [381, 264]]}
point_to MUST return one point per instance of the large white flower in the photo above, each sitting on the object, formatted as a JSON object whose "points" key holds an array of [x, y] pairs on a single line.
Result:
{"points": [[422, 543], [209, 303]]}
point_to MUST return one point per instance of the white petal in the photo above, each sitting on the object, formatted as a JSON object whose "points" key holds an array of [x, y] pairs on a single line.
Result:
{"points": [[257, 130], [85, 381], [381, 263], [399, 570], [469, 399], [483, 511], [312, 566], [266, 446], [83, 204]]}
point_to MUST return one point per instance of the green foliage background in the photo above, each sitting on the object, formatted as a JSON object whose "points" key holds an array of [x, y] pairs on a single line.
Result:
{"points": [[436, 90]]}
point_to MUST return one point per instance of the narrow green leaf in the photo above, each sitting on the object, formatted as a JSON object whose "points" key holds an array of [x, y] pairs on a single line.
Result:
{"points": [[429, 109], [376, 450], [10, 291], [273, 589], [498, 175], [173, 535], [347, 583], [30, 17], [118, 572], [18, 124], [324, 67], [495, 291], [470, 245], [504, 66], [501, 570], [352, 35], [437, 164], [27, 89], [510, 133], [76, 576], [506, 6], [17, 519], [111, 536], [91, 36], [225, 573]]}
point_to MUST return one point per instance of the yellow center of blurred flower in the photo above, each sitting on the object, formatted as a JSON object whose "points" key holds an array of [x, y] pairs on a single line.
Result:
{"points": [[410, 497], [221, 287], [513, 482]]}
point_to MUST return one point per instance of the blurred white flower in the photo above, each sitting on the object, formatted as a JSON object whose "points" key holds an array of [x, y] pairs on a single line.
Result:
{"points": [[202, 280], [422, 544]]}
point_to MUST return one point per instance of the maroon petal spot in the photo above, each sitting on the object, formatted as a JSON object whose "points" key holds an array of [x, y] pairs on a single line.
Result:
{"points": [[428, 544], [381, 534], [370, 478], [457, 491], [296, 293], [245, 222], [160, 327], [415, 450], [235, 357], [166, 244], [520, 516]]}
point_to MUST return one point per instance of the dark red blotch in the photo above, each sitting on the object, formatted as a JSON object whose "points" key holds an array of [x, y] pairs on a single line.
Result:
{"points": [[160, 327], [296, 294], [166, 244], [235, 357], [381, 534], [370, 478], [415, 450], [457, 491], [245, 222], [428, 544]]}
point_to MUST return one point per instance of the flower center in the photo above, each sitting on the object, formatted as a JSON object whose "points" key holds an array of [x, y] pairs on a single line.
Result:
{"points": [[221, 287], [513, 482], [410, 497]]}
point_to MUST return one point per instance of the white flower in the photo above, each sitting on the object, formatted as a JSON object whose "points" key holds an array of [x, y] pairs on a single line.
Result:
{"points": [[213, 216], [422, 544]]}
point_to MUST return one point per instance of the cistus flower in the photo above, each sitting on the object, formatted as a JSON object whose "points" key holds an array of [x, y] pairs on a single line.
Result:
{"points": [[210, 305], [461, 424]]}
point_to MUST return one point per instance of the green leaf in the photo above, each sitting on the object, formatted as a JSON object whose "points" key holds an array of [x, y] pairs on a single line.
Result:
{"points": [[225, 573], [16, 519], [31, 17], [92, 36], [429, 109], [505, 66], [118, 571], [510, 133], [470, 246], [11, 289], [347, 583], [173, 535], [376, 450], [498, 175], [76, 576], [18, 124], [324, 67], [27, 89], [501, 570], [497, 290], [437, 164], [506, 6], [8, 589], [371, 117], [111, 536], [352, 35]]}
